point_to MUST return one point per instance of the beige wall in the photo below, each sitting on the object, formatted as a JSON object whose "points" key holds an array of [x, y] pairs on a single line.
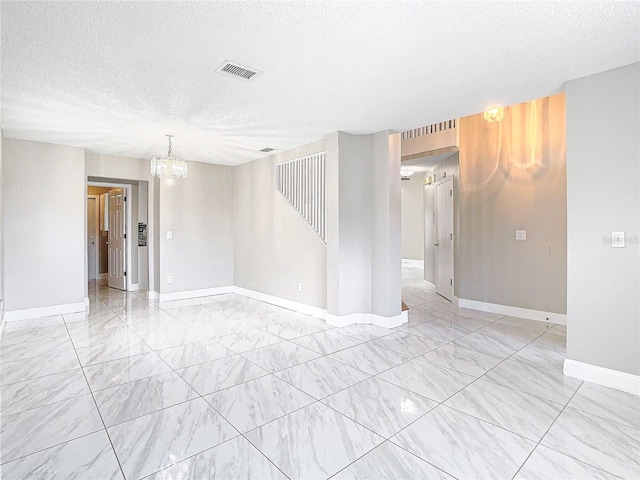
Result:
{"points": [[603, 306], [44, 224], [412, 217], [513, 177], [273, 248]]}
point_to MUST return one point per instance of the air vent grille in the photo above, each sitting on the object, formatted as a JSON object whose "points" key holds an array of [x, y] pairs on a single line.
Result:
{"points": [[267, 150], [237, 70]]}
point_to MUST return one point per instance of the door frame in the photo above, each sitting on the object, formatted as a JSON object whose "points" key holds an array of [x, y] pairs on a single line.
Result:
{"points": [[448, 178], [96, 198], [128, 225]]}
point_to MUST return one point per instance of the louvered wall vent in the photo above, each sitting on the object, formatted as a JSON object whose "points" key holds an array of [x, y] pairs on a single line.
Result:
{"points": [[267, 149], [301, 182], [237, 70]]}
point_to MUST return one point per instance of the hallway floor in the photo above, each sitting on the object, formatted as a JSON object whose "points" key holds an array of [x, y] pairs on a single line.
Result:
{"points": [[230, 387]]}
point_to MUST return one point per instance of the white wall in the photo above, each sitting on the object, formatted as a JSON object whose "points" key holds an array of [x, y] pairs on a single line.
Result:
{"points": [[273, 247], [413, 217], [603, 307], [198, 210], [44, 216]]}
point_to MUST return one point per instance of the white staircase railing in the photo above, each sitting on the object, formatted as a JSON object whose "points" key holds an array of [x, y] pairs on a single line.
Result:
{"points": [[302, 183]]}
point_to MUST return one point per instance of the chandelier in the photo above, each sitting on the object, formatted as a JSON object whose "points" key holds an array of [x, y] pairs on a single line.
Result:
{"points": [[169, 166]]}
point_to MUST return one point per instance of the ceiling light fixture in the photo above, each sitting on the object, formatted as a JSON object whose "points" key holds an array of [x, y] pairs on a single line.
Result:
{"points": [[494, 114], [169, 166]]}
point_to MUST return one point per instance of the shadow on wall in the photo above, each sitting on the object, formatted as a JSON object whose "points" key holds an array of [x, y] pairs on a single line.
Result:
{"points": [[522, 148]]}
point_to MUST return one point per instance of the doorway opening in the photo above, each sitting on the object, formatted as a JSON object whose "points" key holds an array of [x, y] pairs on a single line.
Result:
{"points": [[116, 249], [429, 170]]}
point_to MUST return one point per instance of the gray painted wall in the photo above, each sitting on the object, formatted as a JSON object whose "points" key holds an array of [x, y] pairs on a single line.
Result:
{"points": [[603, 312], [364, 253], [135, 172], [44, 220], [273, 247], [198, 210], [413, 217], [513, 177], [1, 236]]}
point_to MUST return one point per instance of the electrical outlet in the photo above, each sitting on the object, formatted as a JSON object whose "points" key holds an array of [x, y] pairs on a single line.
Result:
{"points": [[169, 279], [521, 234], [169, 234], [300, 287]]}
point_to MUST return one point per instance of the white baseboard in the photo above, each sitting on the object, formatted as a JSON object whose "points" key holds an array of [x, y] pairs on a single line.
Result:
{"points": [[626, 382], [282, 302], [153, 295], [411, 262], [379, 320], [549, 317], [204, 292], [134, 287], [103, 276], [86, 301], [39, 312]]}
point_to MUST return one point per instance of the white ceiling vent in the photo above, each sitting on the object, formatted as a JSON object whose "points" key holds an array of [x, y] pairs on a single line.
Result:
{"points": [[237, 70]]}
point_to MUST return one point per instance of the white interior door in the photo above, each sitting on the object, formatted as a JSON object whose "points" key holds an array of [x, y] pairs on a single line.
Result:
{"points": [[92, 237], [444, 239], [117, 235]]}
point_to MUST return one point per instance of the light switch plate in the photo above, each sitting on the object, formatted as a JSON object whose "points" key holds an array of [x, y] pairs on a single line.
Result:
{"points": [[169, 234], [617, 239], [521, 234]]}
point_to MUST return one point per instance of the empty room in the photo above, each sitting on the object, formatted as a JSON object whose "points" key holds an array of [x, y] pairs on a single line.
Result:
{"points": [[319, 239]]}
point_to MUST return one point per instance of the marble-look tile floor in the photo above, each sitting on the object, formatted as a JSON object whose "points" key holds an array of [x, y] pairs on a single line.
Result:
{"points": [[229, 387]]}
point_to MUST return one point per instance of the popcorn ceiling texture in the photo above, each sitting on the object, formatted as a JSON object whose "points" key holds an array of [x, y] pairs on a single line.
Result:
{"points": [[114, 77]]}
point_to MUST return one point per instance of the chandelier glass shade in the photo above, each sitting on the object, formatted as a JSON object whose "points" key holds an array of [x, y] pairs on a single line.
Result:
{"points": [[169, 166]]}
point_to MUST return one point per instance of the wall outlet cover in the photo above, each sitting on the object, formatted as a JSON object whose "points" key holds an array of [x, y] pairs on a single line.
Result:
{"points": [[521, 234]]}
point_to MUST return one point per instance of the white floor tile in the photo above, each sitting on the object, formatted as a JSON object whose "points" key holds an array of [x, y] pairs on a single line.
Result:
{"points": [[218, 374], [235, 459], [124, 402], [591, 439], [43, 427], [86, 458], [315, 442], [380, 406], [322, 377], [147, 444], [252, 404], [464, 446], [390, 462]]}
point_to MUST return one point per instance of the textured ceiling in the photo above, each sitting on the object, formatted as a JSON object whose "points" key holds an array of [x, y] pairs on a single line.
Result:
{"points": [[114, 77]]}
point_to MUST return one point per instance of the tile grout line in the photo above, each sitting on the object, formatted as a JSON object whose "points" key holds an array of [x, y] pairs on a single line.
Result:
{"points": [[96, 405]]}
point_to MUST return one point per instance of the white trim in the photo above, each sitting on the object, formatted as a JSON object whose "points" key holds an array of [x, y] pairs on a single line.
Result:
{"points": [[282, 302], [134, 287], [153, 295], [548, 317], [410, 262], [86, 302], [205, 292], [626, 382], [379, 320], [103, 276], [44, 311]]}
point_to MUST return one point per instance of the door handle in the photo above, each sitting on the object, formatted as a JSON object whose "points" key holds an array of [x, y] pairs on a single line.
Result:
{"points": [[436, 244]]}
